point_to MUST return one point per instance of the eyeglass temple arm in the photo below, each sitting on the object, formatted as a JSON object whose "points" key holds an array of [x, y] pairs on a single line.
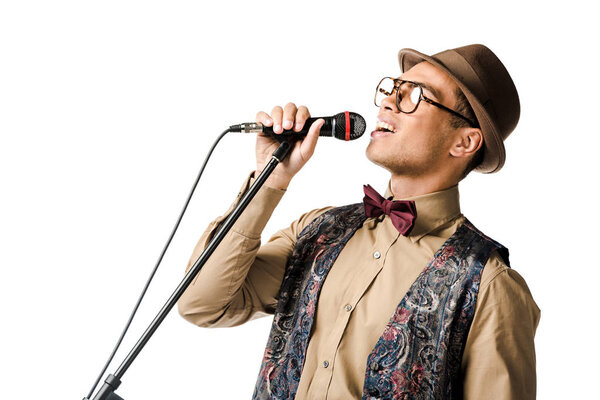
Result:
{"points": [[443, 107]]}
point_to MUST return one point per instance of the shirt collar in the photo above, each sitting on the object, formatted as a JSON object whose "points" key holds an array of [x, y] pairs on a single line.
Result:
{"points": [[433, 210]]}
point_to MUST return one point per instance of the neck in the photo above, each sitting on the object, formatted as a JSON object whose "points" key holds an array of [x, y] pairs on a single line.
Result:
{"points": [[404, 186]]}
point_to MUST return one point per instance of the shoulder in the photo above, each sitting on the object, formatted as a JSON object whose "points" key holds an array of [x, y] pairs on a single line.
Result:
{"points": [[502, 285], [318, 215], [293, 230], [494, 266], [339, 217], [308, 217]]}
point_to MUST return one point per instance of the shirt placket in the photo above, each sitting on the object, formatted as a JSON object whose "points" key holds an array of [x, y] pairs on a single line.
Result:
{"points": [[371, 266]]}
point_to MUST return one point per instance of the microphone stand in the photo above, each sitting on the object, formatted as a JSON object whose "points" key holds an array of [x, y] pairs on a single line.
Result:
{"points": [[112, 382]]}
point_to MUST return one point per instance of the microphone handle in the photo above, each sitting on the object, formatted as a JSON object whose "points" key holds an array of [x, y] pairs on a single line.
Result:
{"points": [[327, 129]]}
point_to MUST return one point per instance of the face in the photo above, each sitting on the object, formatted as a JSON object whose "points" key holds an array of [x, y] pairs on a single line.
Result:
{"points": [[419, 142]]}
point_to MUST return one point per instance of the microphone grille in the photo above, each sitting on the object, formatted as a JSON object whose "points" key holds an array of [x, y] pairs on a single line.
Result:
{"points": [[354, 130]]}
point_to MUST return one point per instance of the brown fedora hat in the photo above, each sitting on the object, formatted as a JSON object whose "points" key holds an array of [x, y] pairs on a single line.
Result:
{"points": [[487, 86]]}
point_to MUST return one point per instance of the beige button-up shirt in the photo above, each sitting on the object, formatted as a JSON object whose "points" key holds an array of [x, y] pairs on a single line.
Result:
{"points": [[366, 283]]}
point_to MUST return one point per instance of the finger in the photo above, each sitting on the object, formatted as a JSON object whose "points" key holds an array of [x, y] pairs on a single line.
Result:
{"points": [[289, 115], [310, 141], [264, 118], [301, 116], [276, 116]]}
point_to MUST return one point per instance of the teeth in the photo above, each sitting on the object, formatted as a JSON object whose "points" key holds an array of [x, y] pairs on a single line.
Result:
{"points": [[385, 125]]}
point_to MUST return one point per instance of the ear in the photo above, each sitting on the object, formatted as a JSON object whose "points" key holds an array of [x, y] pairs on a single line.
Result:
{"points": [[468, 141]]}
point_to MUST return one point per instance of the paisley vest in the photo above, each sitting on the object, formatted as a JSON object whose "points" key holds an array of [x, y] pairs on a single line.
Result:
{"points": [[419, 354]]}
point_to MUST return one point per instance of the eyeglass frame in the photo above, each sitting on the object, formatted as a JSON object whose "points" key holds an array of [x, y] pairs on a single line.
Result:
{"points": [[421, 97]]}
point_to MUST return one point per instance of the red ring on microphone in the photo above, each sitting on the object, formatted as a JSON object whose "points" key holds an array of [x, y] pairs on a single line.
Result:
{"points": [[347, 125]]}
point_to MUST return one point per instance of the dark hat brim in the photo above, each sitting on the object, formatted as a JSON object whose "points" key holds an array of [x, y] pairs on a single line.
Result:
{"points": [[495, 153]]}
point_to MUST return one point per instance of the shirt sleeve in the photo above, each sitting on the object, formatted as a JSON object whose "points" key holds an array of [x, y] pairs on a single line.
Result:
{"points": [[499, 357], [241, 279]]}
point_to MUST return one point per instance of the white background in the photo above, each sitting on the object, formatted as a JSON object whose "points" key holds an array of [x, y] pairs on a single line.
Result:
{"points": [[107, 110]]}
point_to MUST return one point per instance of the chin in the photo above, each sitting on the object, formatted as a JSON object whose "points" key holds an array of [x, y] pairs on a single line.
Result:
{"points": [[379, 159], [371, 153], [393, 163], [378, 154]]}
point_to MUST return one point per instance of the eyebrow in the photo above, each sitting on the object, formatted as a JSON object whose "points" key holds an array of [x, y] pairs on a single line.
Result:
{"points": [[428, 87], [431, 89]]}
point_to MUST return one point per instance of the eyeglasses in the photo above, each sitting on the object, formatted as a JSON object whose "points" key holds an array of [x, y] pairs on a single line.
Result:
{"points": [[408, 96]]}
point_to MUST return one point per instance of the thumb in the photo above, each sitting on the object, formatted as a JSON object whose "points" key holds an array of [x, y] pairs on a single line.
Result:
{"points": [[307, 148]]}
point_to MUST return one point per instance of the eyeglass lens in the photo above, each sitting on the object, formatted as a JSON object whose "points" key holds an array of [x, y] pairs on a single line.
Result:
{"points": [[408, 98]]}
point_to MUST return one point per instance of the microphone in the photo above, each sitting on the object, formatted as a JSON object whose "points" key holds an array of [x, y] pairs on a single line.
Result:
{"points": [[344, 126]]}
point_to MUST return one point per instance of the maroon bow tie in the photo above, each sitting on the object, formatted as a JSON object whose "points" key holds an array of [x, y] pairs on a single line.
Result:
{"points": [[402, 212]]}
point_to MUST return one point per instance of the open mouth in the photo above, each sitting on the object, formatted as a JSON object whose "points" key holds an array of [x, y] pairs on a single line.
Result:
{"points": [[385, 127]]}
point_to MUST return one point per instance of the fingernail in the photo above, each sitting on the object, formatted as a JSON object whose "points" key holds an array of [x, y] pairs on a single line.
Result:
{"points": [[298, 126], [287, 124], [277, 128], [269, 121]]}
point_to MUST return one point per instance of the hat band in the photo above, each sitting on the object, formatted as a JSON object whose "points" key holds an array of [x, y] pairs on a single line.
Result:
{"points": [[465, 72]]}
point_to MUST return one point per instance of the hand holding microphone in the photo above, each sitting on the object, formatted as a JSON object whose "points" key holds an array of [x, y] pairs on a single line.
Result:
{"points": [[289, 117], [292, 121]]}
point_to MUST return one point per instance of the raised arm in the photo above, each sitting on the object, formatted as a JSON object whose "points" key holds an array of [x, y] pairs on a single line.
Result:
{"points": [[241, 280]]}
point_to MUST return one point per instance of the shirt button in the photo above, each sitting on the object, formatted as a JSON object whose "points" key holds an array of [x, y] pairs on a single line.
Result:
{"points": [[325, 364], [376, 255], [348, 307]]}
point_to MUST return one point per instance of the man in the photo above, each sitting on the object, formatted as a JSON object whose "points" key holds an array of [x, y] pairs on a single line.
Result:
{"points": [[392, 300]]}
